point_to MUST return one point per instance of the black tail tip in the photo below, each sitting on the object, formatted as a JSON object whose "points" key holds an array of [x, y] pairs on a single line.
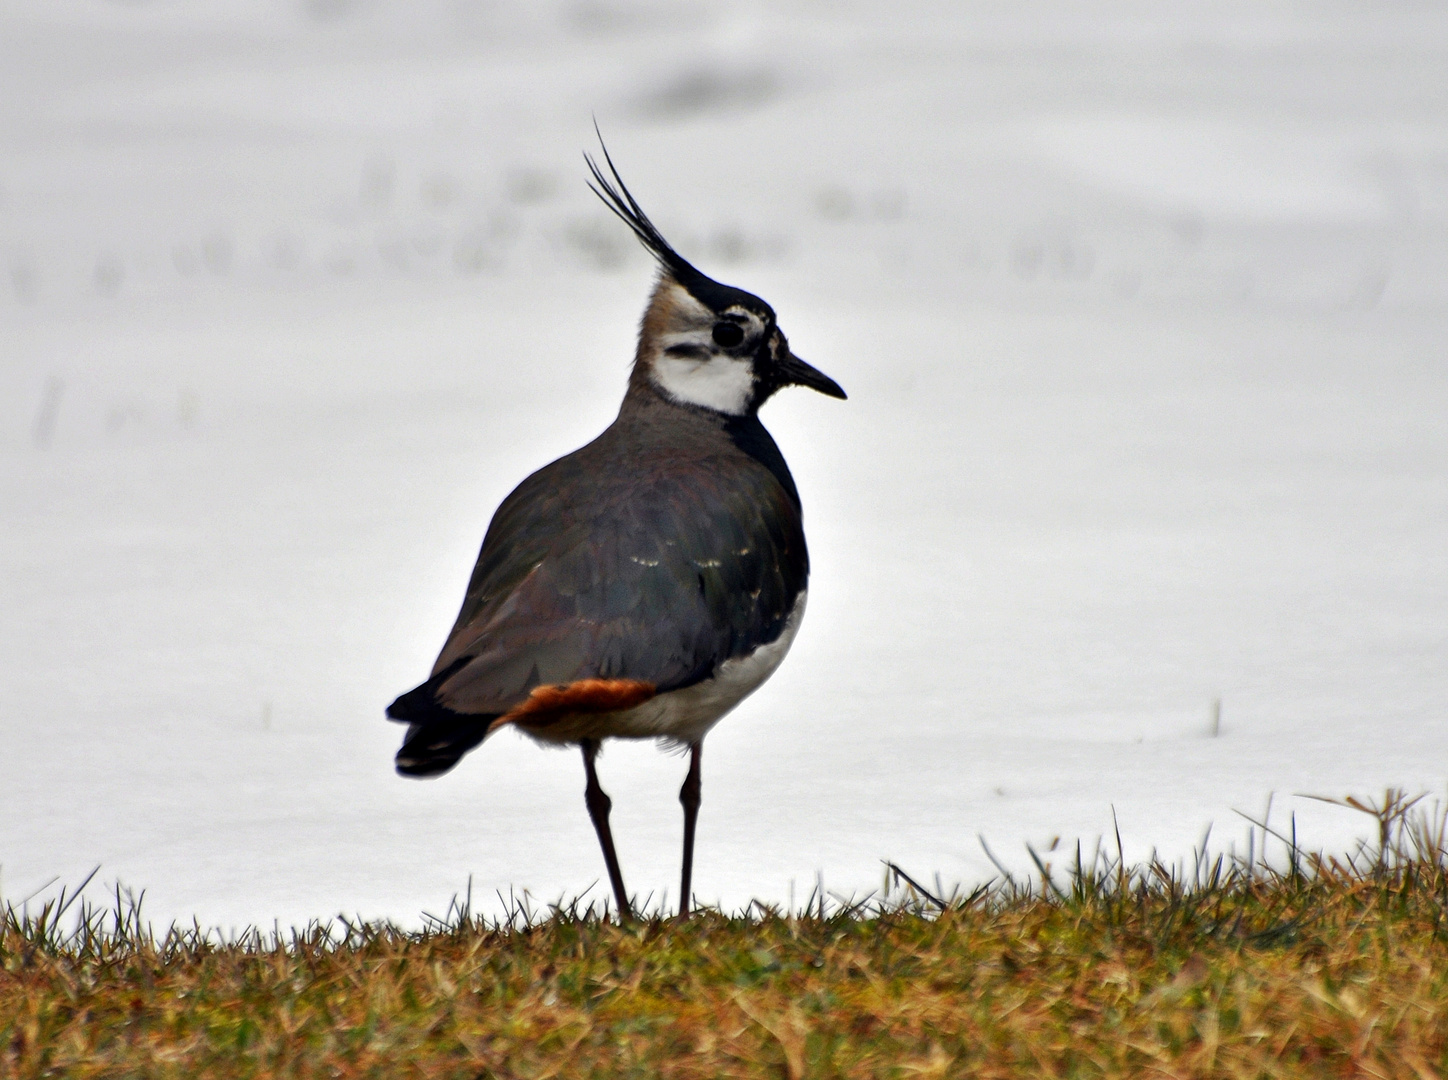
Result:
{"points": [[423, 768], [433, 749]]}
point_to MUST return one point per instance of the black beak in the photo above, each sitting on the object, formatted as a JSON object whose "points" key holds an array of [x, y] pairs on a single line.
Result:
{"points": [[795, 372]]}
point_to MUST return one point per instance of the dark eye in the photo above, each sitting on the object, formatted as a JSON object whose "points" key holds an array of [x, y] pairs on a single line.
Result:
{"points": [[727, 334]]}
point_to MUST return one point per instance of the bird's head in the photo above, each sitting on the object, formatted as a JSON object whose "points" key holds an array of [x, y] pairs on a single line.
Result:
{"points": [[702, 343]]}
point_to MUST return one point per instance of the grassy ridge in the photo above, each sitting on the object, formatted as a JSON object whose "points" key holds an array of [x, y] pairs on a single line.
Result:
{"points": [[1320, 967]]}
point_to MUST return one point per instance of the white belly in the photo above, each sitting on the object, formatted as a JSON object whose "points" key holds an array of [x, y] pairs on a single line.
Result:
{"points": [[684, 716]]}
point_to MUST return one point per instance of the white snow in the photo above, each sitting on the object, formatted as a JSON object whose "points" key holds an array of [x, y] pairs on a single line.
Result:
{"points": [[1143, 314]]}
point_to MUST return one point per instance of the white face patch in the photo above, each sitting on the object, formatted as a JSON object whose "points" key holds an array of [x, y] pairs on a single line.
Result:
{"points": [[722, 383], [687, 364]]}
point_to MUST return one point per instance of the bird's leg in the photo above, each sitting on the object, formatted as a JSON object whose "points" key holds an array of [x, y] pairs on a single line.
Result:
{"points": [[689, 796], [599, 805]]}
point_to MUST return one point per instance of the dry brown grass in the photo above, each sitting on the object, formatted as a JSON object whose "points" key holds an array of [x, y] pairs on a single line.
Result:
{"points": [[1318, 968]]}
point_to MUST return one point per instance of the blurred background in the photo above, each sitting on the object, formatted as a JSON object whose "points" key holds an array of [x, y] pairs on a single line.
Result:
{"points": [[1139, 505]]}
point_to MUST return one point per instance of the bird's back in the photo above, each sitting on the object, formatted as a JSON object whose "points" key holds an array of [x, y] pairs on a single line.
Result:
{"points": [[670, 544]]}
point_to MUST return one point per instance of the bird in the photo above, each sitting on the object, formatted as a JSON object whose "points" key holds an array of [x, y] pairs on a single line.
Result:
{"points": [[642, 586]]}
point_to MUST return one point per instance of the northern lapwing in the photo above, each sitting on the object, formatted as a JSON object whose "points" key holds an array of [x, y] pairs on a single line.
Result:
{"points": [[642, 586]]}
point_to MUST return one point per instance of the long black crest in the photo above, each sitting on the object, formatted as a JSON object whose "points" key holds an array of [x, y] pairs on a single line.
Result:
{"points": [[617, 197]]}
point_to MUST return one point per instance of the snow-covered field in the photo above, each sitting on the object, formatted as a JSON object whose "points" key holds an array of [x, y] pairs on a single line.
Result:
{"points": [[1143, 312]]}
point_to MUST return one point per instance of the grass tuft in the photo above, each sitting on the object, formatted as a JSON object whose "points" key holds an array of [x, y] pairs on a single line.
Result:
{"points": [[1300, 965]]}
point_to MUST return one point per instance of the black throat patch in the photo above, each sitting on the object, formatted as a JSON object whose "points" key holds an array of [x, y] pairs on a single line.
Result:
{"points": [[747, 433]]}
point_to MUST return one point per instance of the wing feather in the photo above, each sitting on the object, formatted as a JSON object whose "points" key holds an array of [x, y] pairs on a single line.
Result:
{"points": [[659, 579]]}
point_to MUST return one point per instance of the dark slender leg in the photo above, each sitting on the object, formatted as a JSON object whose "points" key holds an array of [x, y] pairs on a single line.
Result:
{"points": [[599, 805], [689, 796]]}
